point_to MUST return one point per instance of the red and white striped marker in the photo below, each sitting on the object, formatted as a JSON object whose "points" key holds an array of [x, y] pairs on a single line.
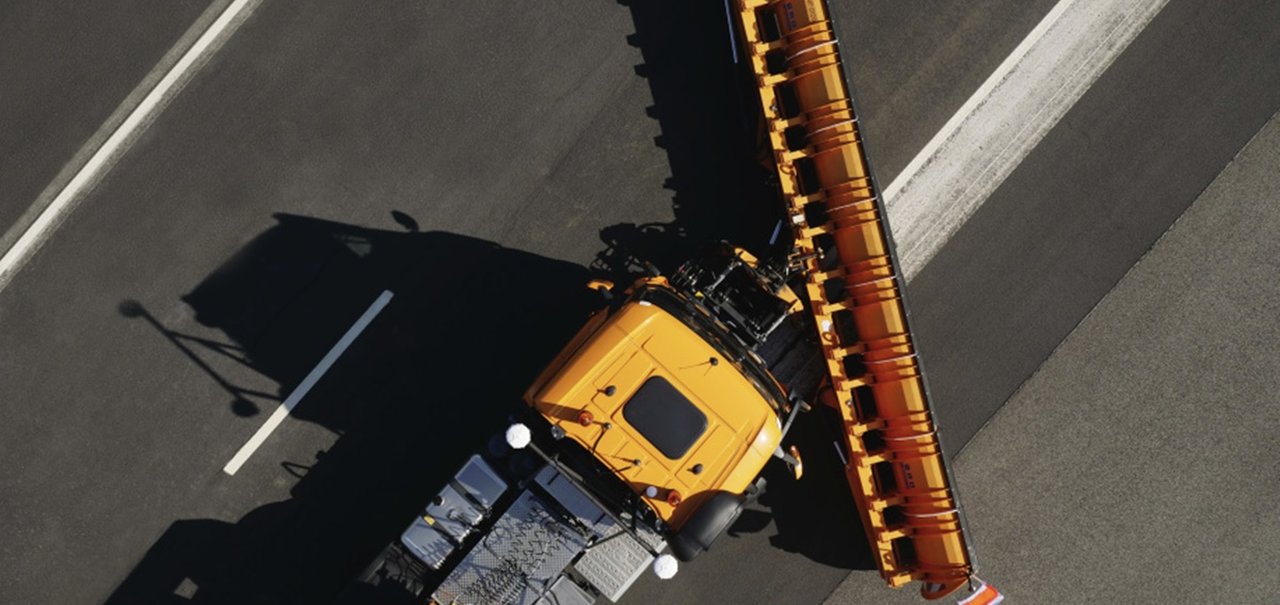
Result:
{"points": [[984, 594]]}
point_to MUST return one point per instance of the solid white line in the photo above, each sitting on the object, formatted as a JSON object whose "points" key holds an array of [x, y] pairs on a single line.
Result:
{"points": [[1006, 118], [52, 215], [304, 387]]}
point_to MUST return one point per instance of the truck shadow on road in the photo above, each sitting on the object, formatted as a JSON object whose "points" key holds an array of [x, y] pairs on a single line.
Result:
{"points": [[429, 382], [432, 378], [708, 125]]}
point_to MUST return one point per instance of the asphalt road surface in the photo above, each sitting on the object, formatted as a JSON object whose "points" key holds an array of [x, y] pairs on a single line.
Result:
{"points": [[65, 68], [1159, 411], [482, 160]]}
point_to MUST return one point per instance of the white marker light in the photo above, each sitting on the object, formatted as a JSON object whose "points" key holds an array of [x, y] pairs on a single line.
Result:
{"points": [[518, 436], [665, 567], [651, 492]]}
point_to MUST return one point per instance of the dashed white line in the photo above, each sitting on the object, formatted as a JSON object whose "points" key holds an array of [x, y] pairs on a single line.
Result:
{"points": [[999, 125], [67, 192], [304, 387]]}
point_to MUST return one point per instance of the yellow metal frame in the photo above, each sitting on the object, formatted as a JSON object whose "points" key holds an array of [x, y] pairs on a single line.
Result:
{"points": [[896, 468]]}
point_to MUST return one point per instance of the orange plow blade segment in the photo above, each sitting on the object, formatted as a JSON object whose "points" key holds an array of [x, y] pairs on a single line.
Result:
{"points": [[896, 469]]}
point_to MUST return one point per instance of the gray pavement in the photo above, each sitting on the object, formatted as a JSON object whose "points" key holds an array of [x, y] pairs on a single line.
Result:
{"points": [[64, 68], [332, 111], [913, 63], [1093, 196], [253, 223], [1138, 465], [533, 130]]}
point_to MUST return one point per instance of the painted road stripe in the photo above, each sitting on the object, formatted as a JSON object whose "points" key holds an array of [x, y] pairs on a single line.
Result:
{"points": [[115, 137], [1005, 119], [304, 387]]}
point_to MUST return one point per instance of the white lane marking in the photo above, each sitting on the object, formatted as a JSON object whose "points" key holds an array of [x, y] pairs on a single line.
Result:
{"points": [[67, 192], [304, 387], [1006, 118]]}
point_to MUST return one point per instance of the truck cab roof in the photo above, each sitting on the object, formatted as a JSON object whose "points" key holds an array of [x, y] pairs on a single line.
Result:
{"points": [[654, 400]]}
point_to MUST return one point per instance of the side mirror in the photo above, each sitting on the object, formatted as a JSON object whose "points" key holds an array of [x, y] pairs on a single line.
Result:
{"points": [[604, 287], [794, 462]]}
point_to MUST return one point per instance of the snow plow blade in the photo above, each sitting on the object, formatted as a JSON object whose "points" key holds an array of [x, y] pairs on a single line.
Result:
{"points": [[895, 465]]}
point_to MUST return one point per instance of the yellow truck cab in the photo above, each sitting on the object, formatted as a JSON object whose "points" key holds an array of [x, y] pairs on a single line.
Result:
{"points": [[672, 401], [648, 431]]}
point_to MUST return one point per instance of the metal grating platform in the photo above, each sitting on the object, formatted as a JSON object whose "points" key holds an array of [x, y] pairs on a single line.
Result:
{"points": [[516, 563]]}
